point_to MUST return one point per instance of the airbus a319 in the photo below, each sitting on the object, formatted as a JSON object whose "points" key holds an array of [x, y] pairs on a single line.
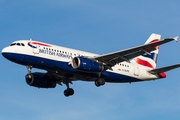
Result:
{"points": [[65, 65]]}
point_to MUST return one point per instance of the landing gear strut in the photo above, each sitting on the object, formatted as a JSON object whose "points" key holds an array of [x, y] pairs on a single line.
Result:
{"points": [[29, 69], [29, 76], [68, 91]]}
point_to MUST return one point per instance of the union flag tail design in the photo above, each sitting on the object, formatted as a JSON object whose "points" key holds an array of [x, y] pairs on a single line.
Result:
{"points": [[146, 59]]}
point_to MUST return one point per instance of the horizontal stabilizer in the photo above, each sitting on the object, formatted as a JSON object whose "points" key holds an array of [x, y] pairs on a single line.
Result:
{"points": [[164, 69], [176, 38]]}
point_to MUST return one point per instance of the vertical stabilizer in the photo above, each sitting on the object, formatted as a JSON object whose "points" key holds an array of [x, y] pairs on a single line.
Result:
{"points": [[149, 60]]}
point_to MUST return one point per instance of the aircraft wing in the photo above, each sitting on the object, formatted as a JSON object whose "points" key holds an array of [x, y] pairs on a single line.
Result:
{"points": [[124, 55], [164, 69]]}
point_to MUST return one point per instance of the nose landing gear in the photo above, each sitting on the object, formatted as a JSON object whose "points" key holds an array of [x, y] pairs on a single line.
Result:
{"points": [[68, 92], [29, 67]]}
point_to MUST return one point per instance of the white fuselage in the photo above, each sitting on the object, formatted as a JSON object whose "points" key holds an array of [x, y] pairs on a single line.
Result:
{"points": [[55, 58]]}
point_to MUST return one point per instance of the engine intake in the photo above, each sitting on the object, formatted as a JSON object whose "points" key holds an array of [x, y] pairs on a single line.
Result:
{"points": [[87, 65], [39, 80]]}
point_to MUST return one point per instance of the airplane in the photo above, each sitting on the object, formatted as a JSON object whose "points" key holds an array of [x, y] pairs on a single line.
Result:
{"points": [[65, 65]]}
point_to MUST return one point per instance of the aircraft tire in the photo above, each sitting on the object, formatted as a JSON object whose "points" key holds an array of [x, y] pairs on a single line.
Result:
{"points": [[71, 91], [101, 81], [28, 76], [68, 92], [97, 83]]}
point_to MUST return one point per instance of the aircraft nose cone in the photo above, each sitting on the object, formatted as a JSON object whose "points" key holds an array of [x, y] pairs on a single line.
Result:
{"points": [[8, 54], [4, 53]]}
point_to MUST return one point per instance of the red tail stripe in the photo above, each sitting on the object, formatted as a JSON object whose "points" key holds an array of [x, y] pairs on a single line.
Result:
{"points": [[157, 47], [143, 62], [155, 40]]}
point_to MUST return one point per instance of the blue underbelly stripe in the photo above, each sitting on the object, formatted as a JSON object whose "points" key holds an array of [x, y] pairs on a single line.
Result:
{"points": [[48, 64]]}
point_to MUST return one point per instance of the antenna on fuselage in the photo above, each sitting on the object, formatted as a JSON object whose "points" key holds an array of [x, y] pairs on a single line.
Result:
{"points": [[30, 39]]}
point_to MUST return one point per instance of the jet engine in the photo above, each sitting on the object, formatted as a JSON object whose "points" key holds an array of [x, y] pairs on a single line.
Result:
{"points": [[39, 80], [86, 65]]}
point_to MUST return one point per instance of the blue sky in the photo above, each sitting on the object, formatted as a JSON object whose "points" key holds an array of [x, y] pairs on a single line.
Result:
{"points": [[97, 26]]}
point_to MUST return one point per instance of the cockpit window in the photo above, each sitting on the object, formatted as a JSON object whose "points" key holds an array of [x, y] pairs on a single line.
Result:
{"points": [[13, 44], [18, 44], [22, 44]]}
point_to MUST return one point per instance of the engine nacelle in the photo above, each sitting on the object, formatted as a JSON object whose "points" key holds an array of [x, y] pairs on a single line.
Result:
{"points": [[87, 65], [40, 81]]}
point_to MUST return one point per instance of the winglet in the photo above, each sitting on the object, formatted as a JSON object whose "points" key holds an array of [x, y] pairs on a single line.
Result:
{"points": [[176, 38]]}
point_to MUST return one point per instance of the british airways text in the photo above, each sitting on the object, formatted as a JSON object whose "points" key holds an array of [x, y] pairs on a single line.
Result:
{"points": [[55, 53]]}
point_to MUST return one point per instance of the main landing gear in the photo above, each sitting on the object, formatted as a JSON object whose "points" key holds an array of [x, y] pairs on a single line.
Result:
{"points": [[69, 91], [99, 82]]}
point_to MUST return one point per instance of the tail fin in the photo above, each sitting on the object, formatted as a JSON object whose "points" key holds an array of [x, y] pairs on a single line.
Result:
{"points": [[149, 60]]}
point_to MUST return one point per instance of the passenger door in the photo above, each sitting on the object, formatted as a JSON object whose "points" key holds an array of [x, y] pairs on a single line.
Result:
{"points": [[36, 50], [136, 69]]}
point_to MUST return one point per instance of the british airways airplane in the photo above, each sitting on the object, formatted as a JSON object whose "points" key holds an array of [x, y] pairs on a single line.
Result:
{"points": [[64, 65]]}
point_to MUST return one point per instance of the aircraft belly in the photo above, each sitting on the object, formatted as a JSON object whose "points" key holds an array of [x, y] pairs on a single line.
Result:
{"points": [[120, 78], [65, 70]]}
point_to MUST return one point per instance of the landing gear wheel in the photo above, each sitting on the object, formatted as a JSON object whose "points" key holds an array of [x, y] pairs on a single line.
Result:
{"points": [[68, 92], [99, 82], [71, 91], [28, 76]]}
